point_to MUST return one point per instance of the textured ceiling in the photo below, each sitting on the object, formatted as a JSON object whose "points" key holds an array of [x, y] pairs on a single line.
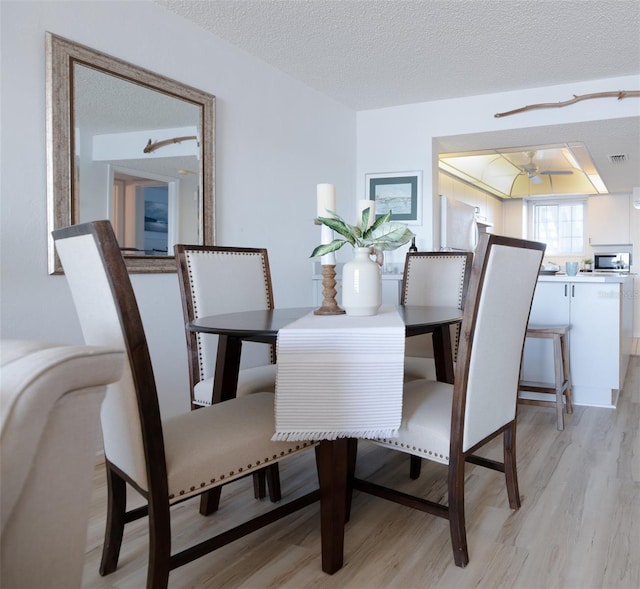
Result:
{"points": [[377, 53], [370, 54]]}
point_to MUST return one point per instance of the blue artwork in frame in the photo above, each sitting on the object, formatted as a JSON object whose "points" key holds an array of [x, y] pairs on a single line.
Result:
{"points": [[398, 192]]}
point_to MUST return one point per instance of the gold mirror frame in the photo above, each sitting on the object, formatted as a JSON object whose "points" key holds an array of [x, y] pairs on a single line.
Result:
{"points": [[63, 198]]}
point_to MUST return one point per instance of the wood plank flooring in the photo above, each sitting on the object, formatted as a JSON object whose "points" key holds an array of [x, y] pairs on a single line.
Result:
{"points": [[578, 527]]}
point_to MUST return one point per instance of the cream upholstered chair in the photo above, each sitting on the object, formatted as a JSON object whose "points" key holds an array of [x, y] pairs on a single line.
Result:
{"points": [[448, 423], [432, 278], [215, 280], [49, 438], [165, 461]]}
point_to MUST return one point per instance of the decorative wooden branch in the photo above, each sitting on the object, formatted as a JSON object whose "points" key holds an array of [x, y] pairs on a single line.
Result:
{"points": [[153, 146], [576, 98]]}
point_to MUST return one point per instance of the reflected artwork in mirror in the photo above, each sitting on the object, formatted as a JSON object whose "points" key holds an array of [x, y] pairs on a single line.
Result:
{"points": [[130, 146]]}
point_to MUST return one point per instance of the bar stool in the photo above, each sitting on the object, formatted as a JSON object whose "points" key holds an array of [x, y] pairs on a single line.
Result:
{"points": [[562, 372]]}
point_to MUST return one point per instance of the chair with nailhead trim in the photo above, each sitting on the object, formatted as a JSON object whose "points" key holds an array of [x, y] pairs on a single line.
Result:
{"points": [[432, 278], [213, 280], [448, 423], [166, 461]]}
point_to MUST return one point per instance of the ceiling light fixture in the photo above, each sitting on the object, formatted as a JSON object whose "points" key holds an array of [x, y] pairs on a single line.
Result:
{"points": [[518, 172]]}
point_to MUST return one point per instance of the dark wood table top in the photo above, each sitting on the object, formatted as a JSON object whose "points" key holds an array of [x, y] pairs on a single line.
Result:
{"points": [[267, 323]]}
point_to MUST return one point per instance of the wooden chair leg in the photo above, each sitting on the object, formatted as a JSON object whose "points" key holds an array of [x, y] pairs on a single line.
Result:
{"points": [[159, 547], [116, 507], [559, 381], [415, 466], [273, 480], [209, 501], [567, 373], [510, 467], [456, 512], [260, 484]]}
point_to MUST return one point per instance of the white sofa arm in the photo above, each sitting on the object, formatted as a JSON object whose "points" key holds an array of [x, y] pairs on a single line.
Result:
{"points": [[50, 398]]}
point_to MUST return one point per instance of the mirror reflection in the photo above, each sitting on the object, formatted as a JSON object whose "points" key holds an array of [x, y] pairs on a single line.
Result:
{"points": [[130, 146], [136, 161]]}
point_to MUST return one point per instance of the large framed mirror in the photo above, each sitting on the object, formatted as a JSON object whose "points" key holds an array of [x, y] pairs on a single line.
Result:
{"points": [[131, 146]]}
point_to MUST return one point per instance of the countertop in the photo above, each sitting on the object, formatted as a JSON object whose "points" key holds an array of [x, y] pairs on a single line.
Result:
{"points": [[396, 271], [600, 277]]}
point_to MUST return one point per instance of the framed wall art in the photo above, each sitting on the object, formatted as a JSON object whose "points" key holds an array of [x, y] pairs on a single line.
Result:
{"points": [[398, 192]]}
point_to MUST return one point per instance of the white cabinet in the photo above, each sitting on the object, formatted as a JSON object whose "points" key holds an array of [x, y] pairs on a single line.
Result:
{"points": [[597, 337], [608, 219]]}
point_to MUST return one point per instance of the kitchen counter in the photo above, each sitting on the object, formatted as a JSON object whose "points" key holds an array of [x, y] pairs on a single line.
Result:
{"points": [[588, 277], [598, 306]]}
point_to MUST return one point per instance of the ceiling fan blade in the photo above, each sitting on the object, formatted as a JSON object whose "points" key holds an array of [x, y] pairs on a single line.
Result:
{"points": [[556, 172]]}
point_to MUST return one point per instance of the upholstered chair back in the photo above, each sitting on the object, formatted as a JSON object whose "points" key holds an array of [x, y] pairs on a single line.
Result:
{"points": [[224, 280], [215, 280], [492, 340], [434, 278], [94, 291]]}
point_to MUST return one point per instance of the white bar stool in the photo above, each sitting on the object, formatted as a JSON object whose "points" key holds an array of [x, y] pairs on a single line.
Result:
{"points": [[562, 373]]}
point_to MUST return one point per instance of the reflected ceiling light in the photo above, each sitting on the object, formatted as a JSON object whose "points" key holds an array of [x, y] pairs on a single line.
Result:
{"points": [[567, 153], [526, 171], [598, 184]]}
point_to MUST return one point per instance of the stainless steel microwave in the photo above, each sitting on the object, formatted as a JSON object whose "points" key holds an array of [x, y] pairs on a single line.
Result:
{"points": [[609, 262]]}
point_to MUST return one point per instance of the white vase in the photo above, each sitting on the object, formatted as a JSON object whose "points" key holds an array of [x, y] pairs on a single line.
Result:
{"points": [[361, 284]]}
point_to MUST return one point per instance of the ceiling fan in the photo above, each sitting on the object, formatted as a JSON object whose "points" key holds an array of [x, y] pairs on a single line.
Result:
{"points": [[533, 172]]}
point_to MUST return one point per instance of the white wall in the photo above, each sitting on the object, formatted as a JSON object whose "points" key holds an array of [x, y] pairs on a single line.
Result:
{"points": [[402, 138], [276, 139]]}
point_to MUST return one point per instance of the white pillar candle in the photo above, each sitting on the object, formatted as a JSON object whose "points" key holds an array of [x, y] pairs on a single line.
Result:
{"points": [[326, 236], [366, 204], [326, 199]]}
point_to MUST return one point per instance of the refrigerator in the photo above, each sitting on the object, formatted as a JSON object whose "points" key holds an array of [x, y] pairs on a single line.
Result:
{"points": [[458, 227]]}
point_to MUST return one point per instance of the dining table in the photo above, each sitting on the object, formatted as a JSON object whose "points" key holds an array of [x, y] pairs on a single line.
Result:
{"points": [[332, 454]]}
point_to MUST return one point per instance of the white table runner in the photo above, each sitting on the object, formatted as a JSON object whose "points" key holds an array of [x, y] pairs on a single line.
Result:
{"points": [[340, 376]]}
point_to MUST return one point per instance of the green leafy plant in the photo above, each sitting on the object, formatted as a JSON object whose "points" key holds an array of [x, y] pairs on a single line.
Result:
{"points": [[588, 261], [383, 235]]}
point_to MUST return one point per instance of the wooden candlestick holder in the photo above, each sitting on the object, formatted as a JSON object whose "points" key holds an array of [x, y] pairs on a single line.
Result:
{"points": [[329, 305]]}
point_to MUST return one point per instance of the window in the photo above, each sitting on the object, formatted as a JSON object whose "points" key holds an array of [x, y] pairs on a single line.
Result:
{"points": [[560, 225]]}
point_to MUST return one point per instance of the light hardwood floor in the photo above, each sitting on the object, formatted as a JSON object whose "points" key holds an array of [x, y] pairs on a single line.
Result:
{"points": [[578, 527]]}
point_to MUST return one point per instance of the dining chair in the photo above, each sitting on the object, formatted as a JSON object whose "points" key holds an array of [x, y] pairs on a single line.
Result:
{"points": [[166, 461], [432, 278], [214, 280], [449, 423]]}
